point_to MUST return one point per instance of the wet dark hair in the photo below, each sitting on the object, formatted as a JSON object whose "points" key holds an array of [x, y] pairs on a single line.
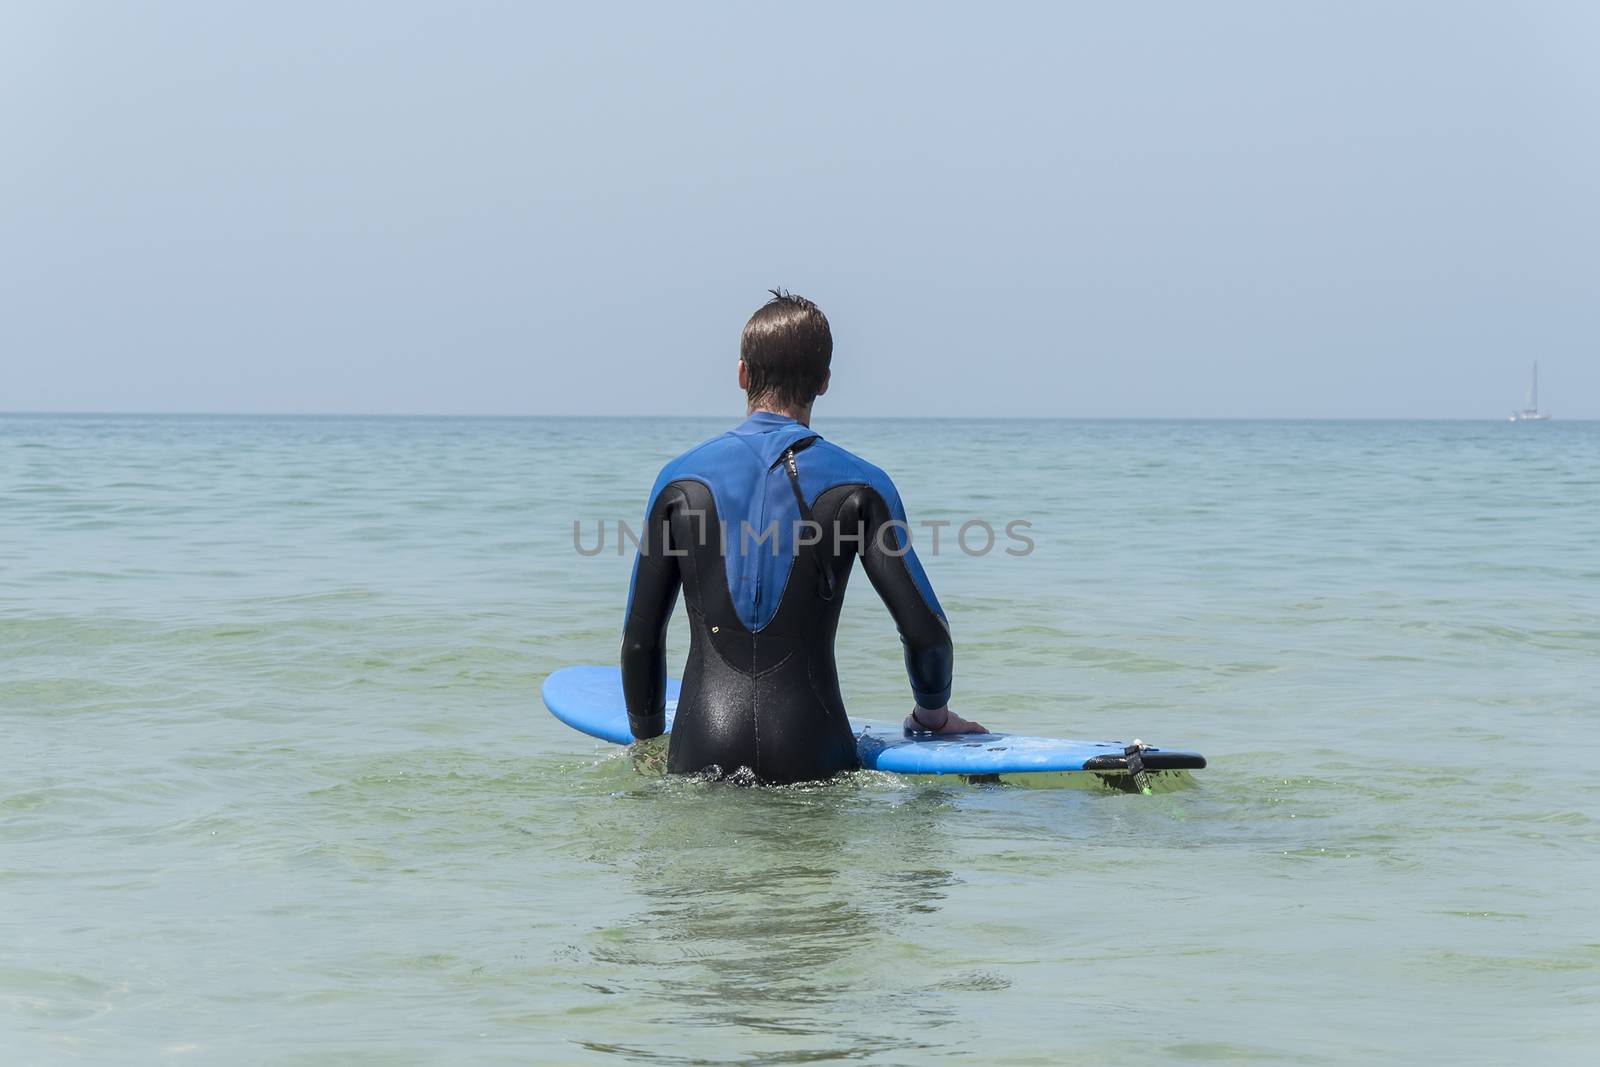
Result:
{"points": [[786, 348]]}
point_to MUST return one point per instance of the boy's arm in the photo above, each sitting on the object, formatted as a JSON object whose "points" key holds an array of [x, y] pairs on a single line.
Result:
{"points": [[897, 575], [651, 597]]}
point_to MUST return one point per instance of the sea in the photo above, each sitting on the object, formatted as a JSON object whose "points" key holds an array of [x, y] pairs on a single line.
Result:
{"points": [[278, 786]]}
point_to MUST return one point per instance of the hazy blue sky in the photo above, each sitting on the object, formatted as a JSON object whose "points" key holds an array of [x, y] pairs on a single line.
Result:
{"points": [[1210, 209]]}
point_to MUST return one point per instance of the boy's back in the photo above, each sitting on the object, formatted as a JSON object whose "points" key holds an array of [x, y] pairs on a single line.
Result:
{"points": [[760, 527]]}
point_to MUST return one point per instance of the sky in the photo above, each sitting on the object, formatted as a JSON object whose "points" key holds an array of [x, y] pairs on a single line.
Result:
{"points": [[1229, 210]]}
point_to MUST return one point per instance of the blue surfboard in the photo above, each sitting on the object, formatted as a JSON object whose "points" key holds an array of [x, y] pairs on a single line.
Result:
{"points": [[589, 699]]}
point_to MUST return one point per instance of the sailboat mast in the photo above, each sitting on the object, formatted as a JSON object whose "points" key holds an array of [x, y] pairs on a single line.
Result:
{"points": [[1533, 391]]}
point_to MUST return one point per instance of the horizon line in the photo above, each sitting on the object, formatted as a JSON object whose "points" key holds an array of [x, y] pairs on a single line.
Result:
{"points": [[109, 413]]}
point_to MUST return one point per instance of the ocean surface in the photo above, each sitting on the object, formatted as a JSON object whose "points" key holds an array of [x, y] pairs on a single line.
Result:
{"points": [[277, 785]]}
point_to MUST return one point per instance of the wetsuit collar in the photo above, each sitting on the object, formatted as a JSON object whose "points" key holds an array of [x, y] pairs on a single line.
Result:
{"points": [[765, 422], [770, 434]]}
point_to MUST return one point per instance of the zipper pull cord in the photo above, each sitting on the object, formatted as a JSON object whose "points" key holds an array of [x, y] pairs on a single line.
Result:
{"points": [[825, 586]]}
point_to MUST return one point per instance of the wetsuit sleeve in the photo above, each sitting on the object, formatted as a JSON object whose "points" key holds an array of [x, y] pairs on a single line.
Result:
{"points": [[651, 597], [896, 574]]}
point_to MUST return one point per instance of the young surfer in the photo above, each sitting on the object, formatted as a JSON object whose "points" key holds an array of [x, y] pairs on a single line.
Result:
{"points": [[760, 527]]}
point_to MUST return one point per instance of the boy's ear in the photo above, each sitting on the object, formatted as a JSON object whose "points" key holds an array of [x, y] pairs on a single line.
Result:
{"points": [[744, 377], [825, 380]]}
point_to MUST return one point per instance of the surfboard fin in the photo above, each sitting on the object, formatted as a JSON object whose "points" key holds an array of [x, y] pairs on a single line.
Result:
{"points": [[1135, 756]]}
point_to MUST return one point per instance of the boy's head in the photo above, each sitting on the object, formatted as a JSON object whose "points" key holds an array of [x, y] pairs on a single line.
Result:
{"points": [[784, 353]]}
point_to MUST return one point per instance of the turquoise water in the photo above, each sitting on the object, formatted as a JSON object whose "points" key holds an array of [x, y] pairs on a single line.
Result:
{"points": [[278, 787]]}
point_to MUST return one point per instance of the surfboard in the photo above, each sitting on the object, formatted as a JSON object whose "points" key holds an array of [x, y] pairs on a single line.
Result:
{"points": [[589, 699]]}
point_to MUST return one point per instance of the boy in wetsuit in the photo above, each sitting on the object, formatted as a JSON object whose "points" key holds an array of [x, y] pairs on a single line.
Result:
{"points": [[760, 527]]}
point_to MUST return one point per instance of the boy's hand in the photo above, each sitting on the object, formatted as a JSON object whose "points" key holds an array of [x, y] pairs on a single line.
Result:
{"points": [[940, 721]]}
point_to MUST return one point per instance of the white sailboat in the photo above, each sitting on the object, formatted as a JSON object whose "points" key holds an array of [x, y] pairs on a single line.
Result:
{"points": [[1531, 412]]}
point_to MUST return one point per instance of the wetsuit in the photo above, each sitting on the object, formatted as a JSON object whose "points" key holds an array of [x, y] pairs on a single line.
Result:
{"points": [[760, 690]]}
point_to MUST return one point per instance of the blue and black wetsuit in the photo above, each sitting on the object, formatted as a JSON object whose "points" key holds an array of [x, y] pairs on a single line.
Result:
{"points": [[760, 690]]}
